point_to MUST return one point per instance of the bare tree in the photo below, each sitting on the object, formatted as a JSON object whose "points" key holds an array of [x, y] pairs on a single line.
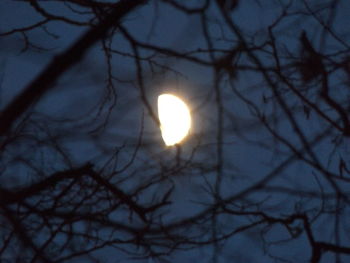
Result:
{"points": [[263, 176]]}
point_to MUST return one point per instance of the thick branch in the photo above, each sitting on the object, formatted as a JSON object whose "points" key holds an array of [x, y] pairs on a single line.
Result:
{"points": [[61, 63]]}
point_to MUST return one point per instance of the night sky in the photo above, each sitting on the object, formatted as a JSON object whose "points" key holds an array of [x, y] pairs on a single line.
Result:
{"points": [[269, 145]]}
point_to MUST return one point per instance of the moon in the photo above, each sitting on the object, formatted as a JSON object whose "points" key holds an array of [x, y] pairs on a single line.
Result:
{"points": [[175, 118]]}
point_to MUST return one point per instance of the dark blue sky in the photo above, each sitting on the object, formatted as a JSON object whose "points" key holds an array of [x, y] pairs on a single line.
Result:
{"points": [[96, 120]]}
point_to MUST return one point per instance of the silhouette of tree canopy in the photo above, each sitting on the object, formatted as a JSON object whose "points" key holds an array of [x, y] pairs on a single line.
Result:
{"points": [[264, 175]]}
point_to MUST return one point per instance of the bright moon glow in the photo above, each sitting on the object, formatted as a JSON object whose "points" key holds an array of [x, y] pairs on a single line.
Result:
{"points": [[174, 117]]}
